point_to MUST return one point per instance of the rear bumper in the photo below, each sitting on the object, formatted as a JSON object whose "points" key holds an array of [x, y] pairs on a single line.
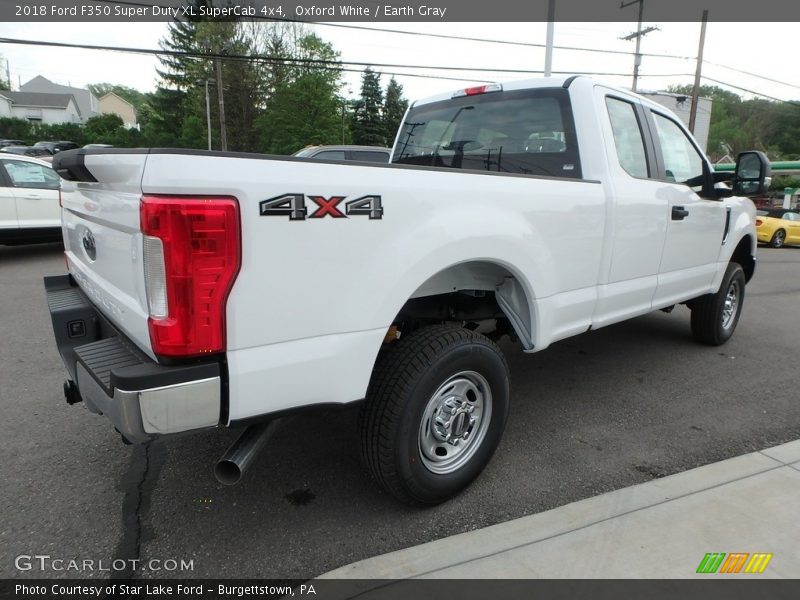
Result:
{"points": [[142, 398]]}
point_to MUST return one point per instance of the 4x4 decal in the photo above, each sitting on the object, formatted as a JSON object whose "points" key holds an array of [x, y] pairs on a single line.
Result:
{"points": [[294, 207]]}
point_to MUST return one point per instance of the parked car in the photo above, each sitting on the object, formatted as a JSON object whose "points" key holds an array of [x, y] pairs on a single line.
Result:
{"points": [[4, 143], [98, 146], [29, 210], [40, 153], [198, 292], [362, 153], [778, 227], [55, 147]]}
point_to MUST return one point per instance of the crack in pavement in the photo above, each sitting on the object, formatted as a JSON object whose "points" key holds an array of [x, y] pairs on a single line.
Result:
{"points": [[138, 483]]}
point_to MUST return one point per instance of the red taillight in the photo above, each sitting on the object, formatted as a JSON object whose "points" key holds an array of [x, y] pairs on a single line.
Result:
{"points": [[200, 249], [759, 222]]}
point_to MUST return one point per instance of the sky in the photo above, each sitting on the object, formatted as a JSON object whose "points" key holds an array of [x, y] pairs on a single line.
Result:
{"points": [[765, 50]]}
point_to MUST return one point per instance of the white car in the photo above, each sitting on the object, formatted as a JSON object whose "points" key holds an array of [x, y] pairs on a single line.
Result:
{"points": [[29, 209]]}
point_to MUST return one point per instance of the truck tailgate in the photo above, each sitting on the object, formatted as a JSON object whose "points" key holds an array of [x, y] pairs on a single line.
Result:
{"points": [[103, 240]]}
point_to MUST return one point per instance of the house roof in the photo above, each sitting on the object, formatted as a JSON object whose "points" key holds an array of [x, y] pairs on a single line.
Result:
{"points": [[39, 100], [83, 97]]}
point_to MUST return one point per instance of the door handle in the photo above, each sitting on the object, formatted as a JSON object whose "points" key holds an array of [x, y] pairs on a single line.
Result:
{"points": [[679, 213]]}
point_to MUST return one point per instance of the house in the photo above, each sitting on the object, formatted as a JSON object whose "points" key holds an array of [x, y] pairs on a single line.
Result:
{"points": [[5, 106], [85, 101], [41, 108], [111, 103]]}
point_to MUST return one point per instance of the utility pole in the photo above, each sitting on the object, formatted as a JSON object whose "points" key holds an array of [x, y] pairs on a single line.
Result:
{"points": [[548, 52], [637, 35], [223, 137], [8, 73], [697, 73], [208, 115]]}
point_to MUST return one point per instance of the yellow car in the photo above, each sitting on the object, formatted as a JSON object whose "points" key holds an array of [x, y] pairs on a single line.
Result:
{"points": [[778, 226]]}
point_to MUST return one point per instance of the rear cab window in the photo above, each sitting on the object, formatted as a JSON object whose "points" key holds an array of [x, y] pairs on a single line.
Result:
{"points": [[528, 132]]}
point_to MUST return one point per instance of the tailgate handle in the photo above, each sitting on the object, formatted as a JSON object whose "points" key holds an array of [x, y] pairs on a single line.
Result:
{"points": [[679, 213]]}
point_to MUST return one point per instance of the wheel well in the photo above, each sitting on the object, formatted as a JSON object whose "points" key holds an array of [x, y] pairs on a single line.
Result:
{"points": [[744, 256], [476, 294]]}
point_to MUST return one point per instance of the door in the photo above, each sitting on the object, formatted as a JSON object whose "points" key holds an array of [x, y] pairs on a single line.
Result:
{"points": [[791, 222], [638, 222], [35, 188], [8, 206], [696, 225]]}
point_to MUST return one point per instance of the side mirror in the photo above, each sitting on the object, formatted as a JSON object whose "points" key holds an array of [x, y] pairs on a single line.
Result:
{"points": [[752, 176]]}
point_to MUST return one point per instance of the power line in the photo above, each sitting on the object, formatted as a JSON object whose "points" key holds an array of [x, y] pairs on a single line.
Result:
{"points": [[764, 77], [741, 89], [321, 63], [422, 34], [478, 40]]}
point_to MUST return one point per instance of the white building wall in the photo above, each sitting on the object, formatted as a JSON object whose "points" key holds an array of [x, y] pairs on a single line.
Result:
{"points": [[47, 116]]}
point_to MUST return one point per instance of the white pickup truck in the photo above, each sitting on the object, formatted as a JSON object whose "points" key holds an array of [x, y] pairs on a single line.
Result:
{"points": [[211, 289]]}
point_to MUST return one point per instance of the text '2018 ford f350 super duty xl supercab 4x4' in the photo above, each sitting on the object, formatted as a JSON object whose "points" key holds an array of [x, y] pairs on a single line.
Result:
{"points": [[220, 290]]}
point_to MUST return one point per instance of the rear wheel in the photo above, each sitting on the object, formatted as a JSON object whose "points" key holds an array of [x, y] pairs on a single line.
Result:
{"points": [[715, 316], [778, 238], [435, 411]]}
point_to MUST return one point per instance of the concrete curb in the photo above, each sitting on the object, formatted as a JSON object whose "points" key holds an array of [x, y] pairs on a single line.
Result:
{"points": [[658, 529]]}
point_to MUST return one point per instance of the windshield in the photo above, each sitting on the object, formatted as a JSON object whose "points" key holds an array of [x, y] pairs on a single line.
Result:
{"points": [[528, 132]]}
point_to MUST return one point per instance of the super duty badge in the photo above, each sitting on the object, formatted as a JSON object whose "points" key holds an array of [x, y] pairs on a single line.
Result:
{"points": [[294, 206]]}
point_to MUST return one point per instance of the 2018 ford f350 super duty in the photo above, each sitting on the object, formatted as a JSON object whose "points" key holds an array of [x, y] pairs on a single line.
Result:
{"points": [[215, 290]]}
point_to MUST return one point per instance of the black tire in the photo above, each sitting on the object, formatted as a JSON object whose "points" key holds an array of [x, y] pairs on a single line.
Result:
{"points": [[778, 239], [407, 381], [711, 322]]}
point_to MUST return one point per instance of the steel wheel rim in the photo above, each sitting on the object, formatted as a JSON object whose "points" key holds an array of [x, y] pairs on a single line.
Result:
{"points": [[455, 422], [779, 239], [731, 305]]}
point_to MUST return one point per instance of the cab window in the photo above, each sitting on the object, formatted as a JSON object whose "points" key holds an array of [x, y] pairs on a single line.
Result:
{"points": [[628, 138], [528, 132], [682, 161], [25, 174]]}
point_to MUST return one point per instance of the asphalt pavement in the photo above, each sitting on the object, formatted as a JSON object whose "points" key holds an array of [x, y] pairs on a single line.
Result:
{"points": [[606, 410]]}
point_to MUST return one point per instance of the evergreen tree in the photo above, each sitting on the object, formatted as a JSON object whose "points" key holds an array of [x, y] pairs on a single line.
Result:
{"points": [[368, 125], [304, 107], [394, 108], [184, 71]]}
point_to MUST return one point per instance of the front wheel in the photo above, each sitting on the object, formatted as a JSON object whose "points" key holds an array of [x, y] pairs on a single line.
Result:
{"points": [[715, 316], [778, 238], [435, 411]]}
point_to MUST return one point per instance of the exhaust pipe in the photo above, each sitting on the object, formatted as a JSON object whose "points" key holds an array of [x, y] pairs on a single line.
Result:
{"points": [[233, 464]]}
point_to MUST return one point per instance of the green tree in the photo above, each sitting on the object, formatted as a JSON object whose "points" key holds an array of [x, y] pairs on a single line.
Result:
{"points": [[164, 110], [103, 129], [738, 125], [394, 108], [304, 107], [193, 133], [368, 124], [60, 131], [305, 111], [5, 84], [15, 129]]}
